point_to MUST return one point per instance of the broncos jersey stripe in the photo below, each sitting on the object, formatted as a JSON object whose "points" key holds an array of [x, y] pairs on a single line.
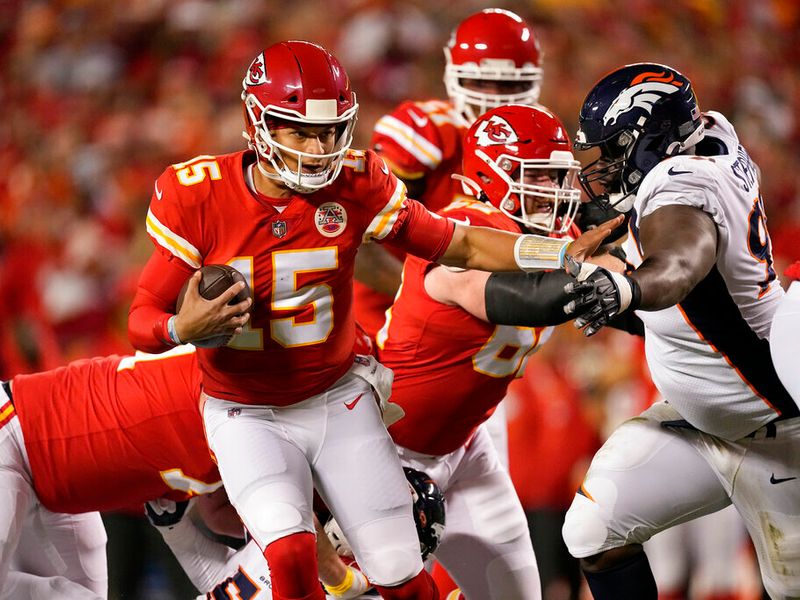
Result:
{"points": [[712, 312]]}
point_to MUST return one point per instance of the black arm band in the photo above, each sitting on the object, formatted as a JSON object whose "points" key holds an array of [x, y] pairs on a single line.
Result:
{"points": [[534, 299]]}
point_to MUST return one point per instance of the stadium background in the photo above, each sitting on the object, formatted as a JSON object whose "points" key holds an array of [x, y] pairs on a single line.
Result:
{"points": [[99, 97]]}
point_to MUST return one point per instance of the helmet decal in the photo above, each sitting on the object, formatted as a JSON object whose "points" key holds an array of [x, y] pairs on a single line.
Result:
{"points": [[646, 89], [256, 73], [637, 115], [495, 131]]}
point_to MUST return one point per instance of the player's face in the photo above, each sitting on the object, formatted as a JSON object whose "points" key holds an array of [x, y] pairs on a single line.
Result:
{"points": [[549, 179], [311, 140], [490, 86]]}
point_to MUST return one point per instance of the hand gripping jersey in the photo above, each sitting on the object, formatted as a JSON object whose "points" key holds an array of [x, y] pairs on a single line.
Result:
{"points": [[107, 433], [709, 355], [450, 369], [298, 262], [417, 139]]}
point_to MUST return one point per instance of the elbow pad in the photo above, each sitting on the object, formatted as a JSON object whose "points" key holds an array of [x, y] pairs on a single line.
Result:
{"points": [[528, 299]]}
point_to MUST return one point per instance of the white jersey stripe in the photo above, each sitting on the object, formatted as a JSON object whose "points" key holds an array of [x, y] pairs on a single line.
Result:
{"points": [[384, 221], [172, 241], [408, 139]]}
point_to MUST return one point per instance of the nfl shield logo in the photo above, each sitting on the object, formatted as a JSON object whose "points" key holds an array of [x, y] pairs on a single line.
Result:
{"points": [[279, 229]]}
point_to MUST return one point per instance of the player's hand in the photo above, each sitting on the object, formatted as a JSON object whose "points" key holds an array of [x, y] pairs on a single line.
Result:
{"points": [[199, 318], [355, 584], [589, 241], [601, 295], [165, 513]]}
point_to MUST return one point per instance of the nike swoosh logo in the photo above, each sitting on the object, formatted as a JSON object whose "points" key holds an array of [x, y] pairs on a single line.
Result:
{"points": [[159, 192], [384, 167], [465, 221], [352, 405], [773, 480], [418, 121], [672, 171]]}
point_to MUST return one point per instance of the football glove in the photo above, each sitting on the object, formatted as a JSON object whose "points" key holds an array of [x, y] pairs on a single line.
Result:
{"points": [[602, 295], [165, 513]]}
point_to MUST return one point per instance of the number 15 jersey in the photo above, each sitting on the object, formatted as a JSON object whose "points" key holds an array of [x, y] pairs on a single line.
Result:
{"points": [[299, 263]]}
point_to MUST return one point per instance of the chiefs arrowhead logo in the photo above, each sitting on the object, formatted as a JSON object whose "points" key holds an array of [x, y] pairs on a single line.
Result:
{"points": [[495, 131], [256, 73]]}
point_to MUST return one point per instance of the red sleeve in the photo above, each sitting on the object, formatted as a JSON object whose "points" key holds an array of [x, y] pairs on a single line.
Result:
{"points": [[409, 140], [793, 271], [420, 232], [154, 303]]}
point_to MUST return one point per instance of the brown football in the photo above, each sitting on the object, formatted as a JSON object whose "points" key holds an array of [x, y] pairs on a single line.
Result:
{"points": [[215, 279]]}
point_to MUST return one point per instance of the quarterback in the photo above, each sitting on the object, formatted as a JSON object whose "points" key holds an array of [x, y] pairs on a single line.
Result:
{"points": [[286, 403]]}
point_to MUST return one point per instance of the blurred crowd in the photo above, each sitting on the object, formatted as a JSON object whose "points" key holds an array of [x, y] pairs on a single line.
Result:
{"points": [[99, 97]]}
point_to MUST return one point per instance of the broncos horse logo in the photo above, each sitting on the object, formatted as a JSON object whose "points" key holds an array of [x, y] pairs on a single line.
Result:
{"points": [[644, 91]]}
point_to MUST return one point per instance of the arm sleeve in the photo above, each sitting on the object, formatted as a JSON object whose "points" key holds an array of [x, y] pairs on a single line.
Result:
{"points": [[533, 299], [154, 303], [205, 561], [420, 232]]}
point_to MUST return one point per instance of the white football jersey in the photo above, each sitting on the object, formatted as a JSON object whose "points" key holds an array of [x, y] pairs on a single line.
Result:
{"points": [[709, 355]]}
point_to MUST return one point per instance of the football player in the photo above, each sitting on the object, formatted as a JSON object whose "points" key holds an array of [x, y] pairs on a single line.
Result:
{"points": [[456, 338], [99, 434], [784, 334], [493, 58], [286, 404], [703, 283]]}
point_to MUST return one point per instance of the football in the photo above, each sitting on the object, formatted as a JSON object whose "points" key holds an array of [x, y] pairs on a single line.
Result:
{"points": [[214, 280]]}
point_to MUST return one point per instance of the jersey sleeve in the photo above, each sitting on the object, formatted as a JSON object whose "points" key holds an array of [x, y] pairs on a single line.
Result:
{"points": [[172, 222], [404, 223], [683, 180], [409, 141]]}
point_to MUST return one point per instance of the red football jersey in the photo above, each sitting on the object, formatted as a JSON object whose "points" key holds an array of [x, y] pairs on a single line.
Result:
{"points": [[451, 369], [423, 139], [299, 264], [107, 433], [417, 139]]}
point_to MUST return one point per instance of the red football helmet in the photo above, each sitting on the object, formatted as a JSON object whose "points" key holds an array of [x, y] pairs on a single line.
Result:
{"points": [[492, 45], [301, 83], [519, 159]]}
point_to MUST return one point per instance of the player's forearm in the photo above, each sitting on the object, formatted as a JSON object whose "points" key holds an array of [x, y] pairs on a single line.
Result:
{"points": [[148, 327], [205, 561], [154, 303], [664, 281], [527, 299], [489, 249]]}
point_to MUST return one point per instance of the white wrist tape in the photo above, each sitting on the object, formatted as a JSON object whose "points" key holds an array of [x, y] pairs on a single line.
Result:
{"points": [[624, 288], [173, 335], [536, 252]]}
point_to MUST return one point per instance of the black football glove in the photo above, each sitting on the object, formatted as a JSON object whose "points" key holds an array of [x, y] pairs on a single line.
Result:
{"points": [[591, 214], [602, 295], [165, 513]]}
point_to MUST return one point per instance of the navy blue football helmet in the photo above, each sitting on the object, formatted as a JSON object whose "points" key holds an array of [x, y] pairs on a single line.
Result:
{"points": [[427, 506], [428, 510], [637, 115]]}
